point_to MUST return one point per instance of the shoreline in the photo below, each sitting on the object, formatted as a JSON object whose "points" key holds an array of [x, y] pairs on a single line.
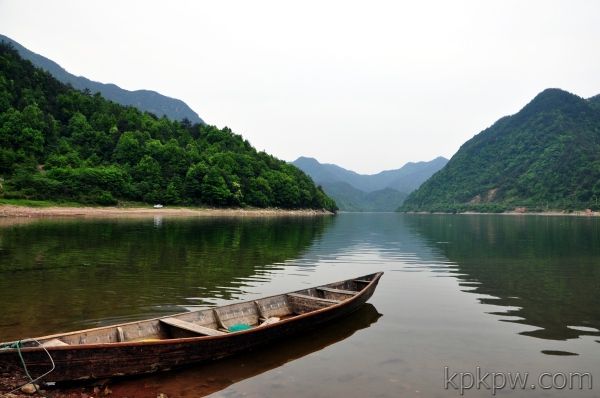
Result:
{"points": [[555, 213], [15, 211], [18, 211]]}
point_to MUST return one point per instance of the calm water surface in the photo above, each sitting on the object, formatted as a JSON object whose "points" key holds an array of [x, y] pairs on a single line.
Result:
{"points": [[504, 293]]}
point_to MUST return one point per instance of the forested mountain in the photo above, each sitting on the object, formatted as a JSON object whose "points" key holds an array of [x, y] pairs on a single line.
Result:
{"points": [[384, 191], [60, 143], [144, 100], [547, 156], [349, 198]]}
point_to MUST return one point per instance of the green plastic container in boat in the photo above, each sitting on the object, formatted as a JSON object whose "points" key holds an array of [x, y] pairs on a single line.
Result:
{"points": [[238, 327]]}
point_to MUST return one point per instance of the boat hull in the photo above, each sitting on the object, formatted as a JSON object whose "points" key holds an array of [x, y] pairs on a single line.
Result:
{"points": [[97, 361]]}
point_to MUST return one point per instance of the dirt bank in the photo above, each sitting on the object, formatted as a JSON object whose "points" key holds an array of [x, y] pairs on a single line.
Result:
{"points": [[98, 212]]}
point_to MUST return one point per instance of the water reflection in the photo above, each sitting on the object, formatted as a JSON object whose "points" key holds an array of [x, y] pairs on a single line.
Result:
{"points": [[445, 275], [373, 238], [66, 274], [206, 379], [539, 271]]}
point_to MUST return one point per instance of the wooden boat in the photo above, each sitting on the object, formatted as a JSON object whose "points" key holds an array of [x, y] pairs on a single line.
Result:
{"points": [[198, 336], [210, 377]]}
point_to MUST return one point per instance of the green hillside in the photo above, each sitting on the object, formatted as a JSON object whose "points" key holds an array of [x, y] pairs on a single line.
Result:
{"points": [[547, 156], [62, 144], [351, 199]]}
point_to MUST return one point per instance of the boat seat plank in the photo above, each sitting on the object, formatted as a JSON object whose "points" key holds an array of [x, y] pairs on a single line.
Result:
{"points": [[339, 291], [192, 327], [361, 281], [307, 297]]}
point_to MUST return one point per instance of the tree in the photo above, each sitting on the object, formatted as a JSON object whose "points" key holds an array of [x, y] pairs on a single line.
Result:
{"points": [[128, 149], [148, 179], [193, 181], [214, 189]]}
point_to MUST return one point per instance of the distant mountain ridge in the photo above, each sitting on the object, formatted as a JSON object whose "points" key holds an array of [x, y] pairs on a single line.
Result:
{"points": [[144, 100], [405, 179], [384, 191], [544, 157]]}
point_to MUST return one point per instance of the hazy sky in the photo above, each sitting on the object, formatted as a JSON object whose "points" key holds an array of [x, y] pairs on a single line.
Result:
{"points": [[367, 85]]}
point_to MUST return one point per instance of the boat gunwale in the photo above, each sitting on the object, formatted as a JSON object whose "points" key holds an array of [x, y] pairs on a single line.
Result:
{"points": [[184, 340]]}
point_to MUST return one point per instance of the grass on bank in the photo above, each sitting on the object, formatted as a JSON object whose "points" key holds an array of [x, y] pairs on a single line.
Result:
{"points": [[55, 203], [36, 203]]}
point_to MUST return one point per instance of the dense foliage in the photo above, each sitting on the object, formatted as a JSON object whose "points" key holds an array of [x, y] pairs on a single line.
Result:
{"points": [[547, 156], [60, 143]]}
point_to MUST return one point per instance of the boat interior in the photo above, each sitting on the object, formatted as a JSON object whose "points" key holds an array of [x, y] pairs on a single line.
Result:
{"points": [[216, 321]]}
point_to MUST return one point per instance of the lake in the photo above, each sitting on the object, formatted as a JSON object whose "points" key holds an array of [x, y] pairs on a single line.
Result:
{"points": [[460, 294]]}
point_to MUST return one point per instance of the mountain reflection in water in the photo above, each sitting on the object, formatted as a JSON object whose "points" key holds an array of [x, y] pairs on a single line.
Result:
{"points": [[539, 271], [59, 275]]}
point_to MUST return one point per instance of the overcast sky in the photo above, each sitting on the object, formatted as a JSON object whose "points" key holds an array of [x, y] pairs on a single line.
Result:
{"points": [[367, 85]]}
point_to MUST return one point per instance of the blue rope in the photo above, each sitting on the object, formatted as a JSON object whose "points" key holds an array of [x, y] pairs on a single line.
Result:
{"points": [[17, 345]]}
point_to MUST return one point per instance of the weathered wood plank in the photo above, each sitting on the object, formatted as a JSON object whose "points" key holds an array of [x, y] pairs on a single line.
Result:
{"points": [[338, 291], [307, 297], [228, 315], [120, 334], [274, 306], [303, 303], [220, 323], [261, 315], [54, 343], [270, 321], [192, 327]]}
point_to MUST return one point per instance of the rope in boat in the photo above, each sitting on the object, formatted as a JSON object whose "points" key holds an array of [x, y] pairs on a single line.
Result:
{"points": [[17, 345]]}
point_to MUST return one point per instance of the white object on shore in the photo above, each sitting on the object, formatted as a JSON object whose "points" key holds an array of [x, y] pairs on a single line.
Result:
{"points": [[30, 388], [158, 206]]}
